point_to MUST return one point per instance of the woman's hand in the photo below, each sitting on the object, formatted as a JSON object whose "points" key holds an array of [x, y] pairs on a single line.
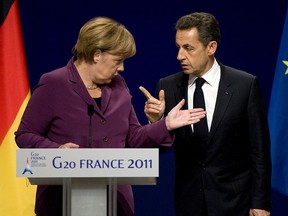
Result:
{"points": [[178, 118], [69, 145], [259, 212]]}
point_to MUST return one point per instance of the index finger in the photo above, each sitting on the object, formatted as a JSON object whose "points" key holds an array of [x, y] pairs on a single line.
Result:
{"points": [[145, 92]]}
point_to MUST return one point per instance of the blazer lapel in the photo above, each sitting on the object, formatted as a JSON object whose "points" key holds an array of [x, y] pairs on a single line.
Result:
{"points": [[106, 90], [79, 88]]}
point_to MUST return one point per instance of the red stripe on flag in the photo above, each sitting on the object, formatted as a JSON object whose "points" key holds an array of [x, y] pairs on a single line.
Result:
{"points": [[14, 85]]}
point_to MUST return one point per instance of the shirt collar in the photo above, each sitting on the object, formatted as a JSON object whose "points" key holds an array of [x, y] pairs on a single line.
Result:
{"points": [[209, 76]]}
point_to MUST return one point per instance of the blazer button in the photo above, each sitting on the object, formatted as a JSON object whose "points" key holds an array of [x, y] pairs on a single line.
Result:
{"points": [[102, 121], [105, 139]]}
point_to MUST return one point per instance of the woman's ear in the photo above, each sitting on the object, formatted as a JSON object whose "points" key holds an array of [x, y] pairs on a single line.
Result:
{"points": [[97, 56]]}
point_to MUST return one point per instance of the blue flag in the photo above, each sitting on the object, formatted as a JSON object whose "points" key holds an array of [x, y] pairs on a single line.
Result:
{"points": [[278, 117]]}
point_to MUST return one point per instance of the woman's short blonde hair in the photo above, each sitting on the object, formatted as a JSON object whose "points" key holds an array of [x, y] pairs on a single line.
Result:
{"points": [[106, 35]]}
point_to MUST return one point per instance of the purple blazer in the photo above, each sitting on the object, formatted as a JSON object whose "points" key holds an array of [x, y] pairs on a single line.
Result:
{"points": [[57, 114]]}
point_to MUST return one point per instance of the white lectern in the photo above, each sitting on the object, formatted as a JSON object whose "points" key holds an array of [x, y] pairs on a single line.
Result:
{"points": [[85, 174]]}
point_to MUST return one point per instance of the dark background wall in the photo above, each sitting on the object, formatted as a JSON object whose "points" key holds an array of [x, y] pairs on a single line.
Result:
{"points": [[251, 33]]}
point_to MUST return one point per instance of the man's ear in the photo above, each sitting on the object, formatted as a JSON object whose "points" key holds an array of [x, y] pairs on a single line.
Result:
{"points": [[212, 47]]}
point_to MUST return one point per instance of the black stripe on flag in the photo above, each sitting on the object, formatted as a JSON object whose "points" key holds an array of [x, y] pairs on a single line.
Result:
{"points": [[5, 6]]}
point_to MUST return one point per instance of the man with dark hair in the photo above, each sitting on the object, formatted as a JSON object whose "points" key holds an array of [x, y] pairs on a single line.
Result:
{"points": [[223, 165]]}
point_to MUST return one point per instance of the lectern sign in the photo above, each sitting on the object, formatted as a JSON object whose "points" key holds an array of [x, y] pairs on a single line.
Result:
{"points": [[102, 162], [85, 174]]}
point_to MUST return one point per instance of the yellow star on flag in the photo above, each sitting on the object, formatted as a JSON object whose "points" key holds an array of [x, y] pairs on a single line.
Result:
{"points": [[286, 63]]}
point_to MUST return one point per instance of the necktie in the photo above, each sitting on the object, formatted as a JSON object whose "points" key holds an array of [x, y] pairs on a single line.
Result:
{"points": [[201, 127]]}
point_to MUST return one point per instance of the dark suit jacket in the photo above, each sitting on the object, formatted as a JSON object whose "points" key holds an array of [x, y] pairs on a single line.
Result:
{"points": [[232, 170], [57, 114]]}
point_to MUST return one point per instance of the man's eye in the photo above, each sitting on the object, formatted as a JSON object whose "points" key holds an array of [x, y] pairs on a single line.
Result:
{"points": [[189, 48]]}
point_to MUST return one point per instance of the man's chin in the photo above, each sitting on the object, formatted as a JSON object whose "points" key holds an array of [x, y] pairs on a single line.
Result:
{"points": [[186, 71]]}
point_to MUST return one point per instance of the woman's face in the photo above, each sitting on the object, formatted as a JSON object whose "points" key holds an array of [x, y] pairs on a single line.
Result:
{"points": [[106, 67]]}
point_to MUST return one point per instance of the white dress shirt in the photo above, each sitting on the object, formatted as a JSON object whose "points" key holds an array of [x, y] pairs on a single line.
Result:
{"points": [[210, 90]]}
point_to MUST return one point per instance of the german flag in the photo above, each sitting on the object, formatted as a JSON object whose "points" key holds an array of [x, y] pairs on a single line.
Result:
{"points": [[17, 197]]}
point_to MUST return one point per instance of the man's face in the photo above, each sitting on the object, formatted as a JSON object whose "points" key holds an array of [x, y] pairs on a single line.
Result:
{"points": [[193, 56]]}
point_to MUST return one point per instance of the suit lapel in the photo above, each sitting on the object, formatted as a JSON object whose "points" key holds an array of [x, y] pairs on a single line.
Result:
{"points": [[181, 92], [224, 95]]}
